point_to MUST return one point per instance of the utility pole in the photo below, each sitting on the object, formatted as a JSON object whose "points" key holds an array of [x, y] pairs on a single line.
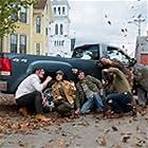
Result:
{"points": [[138, 22]]}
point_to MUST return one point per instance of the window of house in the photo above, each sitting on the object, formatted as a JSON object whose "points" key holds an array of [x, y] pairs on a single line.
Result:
{"points": [[23, 15], [13, 43], [63, 10], [62, 42], [46, 31], [38, 24], [54, 10], [61, 29], [59, 10], [23, 43], [59, 43], [56, 29], [14, 15], [38, 48], [47, 8], [55, 43]]}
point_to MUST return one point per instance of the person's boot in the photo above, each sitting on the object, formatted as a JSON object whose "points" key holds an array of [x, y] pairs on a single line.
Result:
{"points": [[23, 111], [41, 117]]}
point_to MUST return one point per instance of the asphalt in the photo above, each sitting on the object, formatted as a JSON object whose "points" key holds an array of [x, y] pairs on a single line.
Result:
{"points": [[90, 131]]}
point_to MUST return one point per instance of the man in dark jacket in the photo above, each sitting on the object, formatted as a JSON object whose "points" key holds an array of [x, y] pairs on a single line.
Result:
{"points": [[141, 82], [88, 94]]}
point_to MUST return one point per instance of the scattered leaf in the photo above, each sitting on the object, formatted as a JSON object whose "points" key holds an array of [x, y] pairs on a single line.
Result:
{"points": [[125, 139], [102, 141], [114, 128]]}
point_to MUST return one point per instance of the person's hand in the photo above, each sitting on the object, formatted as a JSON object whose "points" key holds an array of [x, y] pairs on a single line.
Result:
{"points": [[48, 79], [59, 97], [105, 70], [75, 70], [77, 112]]}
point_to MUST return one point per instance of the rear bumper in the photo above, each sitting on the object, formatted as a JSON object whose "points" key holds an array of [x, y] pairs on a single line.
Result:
{"points": [[3, 85]]}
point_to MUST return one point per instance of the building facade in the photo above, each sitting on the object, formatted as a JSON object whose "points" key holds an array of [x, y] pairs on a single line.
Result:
{"points": [[59, 37], [31, 35], [141, 53]]}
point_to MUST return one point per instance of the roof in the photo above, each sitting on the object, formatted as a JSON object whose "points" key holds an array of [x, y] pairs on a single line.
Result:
{"points": [[40, 4], [60, 2]]}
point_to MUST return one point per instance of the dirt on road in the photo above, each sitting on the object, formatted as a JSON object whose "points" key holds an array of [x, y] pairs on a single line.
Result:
{"points": [[90, 131]]}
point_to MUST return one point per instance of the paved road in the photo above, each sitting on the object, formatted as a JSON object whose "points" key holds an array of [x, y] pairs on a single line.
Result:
{"points": [[86, 132]]}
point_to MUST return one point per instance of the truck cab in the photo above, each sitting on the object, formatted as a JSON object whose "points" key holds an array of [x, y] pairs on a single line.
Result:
{"points": [[96, 51]]}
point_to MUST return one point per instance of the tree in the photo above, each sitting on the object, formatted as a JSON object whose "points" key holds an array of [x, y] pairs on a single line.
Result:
{"points": [[9, 9]]}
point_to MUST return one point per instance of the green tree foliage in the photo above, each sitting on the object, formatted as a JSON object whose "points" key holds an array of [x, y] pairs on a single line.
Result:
{"points": [[9, 8]]}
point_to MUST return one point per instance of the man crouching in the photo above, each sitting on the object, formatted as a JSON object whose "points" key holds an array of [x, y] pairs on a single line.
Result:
{"points": [[120, 98], [63, 93], [29, 94], [88, 94]]}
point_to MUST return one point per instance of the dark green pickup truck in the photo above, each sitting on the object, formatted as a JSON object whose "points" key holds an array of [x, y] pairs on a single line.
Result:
{"points": [[15, 67]]}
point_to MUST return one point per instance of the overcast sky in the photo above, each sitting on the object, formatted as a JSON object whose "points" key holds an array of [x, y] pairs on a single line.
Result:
{"points": [[89, 21]]}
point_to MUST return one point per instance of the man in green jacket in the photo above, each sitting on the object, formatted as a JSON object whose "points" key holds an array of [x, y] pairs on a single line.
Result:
{"points": [[88, 94], [121, 98]]}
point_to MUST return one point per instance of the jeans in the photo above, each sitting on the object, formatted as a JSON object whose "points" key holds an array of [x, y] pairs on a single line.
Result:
{"points": [[32, 101], [94, 101], [120, 102]]}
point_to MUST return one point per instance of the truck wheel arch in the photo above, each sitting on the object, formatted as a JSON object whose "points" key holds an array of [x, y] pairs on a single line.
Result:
{"points": [[51, 67]]}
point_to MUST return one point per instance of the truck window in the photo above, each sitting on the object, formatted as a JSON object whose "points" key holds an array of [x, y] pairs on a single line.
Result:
{"points": [[88, 53], [116, 54]]}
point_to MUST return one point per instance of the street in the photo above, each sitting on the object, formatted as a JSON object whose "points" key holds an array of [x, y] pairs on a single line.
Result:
{"points": [[84, 132]]}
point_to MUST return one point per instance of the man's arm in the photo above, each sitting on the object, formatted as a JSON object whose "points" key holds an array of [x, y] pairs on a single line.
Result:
{"points": [[40, 86], [114, 70]]}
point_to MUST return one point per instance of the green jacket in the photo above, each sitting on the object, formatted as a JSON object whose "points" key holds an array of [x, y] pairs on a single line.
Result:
{"points": [[120, 82], [93, 84]]}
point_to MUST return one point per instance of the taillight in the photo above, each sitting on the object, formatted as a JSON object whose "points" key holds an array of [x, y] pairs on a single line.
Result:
{"points": [[5, 66]]}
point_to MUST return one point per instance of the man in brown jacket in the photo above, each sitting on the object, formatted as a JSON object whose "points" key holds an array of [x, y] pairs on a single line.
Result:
{"points": [[63, 93]]}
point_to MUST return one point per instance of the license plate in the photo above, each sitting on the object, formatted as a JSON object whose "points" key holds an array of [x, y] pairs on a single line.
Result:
{"points": [[3, 86]]}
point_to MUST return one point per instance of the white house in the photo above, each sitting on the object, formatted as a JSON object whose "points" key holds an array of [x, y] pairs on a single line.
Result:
{"points": [[59, 36]]}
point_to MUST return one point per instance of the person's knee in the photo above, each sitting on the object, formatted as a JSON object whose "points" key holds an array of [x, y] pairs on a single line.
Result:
{"points": [[38, 96], [37, 93]]}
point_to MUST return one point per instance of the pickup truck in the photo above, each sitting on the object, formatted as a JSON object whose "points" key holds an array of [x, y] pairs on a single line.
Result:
{"points": [[15, 67]]}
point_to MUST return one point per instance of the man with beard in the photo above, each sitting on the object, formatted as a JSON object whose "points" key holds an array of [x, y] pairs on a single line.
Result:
{"points": [[29, 94]]}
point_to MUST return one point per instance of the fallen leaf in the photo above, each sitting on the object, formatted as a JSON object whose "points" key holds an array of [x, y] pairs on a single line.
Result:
{"points": [[114, 128], [101, 141], [125, 139]]}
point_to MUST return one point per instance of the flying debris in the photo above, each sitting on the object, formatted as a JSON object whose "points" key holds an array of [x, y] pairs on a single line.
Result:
{"points": [[126, 29], [132, 7], [139, 16], [122, 30], [123, 46], [105, 15], [109, 22]]}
